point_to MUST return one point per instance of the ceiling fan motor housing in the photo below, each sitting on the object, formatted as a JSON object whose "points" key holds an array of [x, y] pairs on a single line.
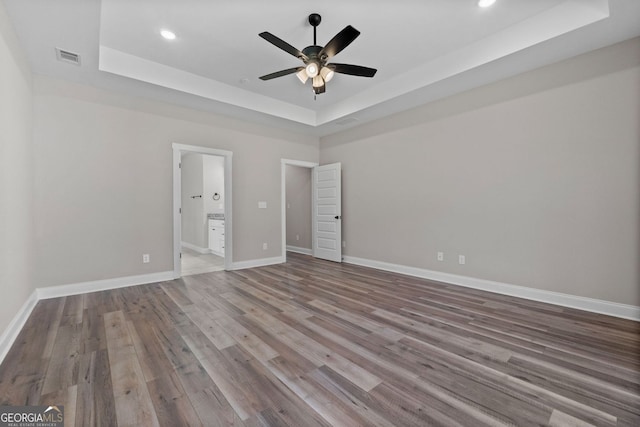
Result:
{"points": [[313, 53]]}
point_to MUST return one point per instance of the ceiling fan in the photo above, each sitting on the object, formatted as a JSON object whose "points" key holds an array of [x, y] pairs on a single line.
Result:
{"points": [[315, 57]]}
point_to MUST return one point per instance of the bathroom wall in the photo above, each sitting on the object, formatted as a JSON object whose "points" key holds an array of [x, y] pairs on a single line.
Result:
{"points": [[213, 182]]}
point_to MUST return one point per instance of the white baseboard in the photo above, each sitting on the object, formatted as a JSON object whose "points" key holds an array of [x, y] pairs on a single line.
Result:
{"points": [[102, 285], [241, 265], [13, 330], [195, 248], [298, 250], [624, 311]]}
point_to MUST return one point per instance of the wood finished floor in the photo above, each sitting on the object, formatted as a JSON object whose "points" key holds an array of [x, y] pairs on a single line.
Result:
{"points": [[312, 343]]}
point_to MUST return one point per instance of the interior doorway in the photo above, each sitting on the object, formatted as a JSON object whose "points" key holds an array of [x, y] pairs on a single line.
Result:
{"points": [[202, 210], [296, 216], [202, 184], [298, 209], [326, 209]]}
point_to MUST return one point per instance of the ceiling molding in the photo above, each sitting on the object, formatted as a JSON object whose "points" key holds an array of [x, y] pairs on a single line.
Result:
{"points": [[213, 65]]}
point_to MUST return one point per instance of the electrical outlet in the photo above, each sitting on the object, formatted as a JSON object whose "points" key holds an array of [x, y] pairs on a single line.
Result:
{"points": [[264, 246], [146, 258], [344, 243], [297, 237], [461, 259], [440, 256]]}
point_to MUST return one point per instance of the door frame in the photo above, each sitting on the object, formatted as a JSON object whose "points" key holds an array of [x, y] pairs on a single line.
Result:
{"points": [[178, 150], [283, 197]]}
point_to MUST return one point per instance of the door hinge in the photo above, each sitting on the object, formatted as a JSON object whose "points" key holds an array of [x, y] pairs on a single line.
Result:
{"points": [[179, 165], [179, 210], [180, 255]]}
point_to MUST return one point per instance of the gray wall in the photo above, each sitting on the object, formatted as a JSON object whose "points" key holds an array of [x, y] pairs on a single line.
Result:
{"points": [[103, 181], [193, 216], [16, 175], [535, 179], [298, 191]]}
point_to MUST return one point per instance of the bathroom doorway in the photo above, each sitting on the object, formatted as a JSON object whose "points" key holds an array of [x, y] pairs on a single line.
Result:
{"points": [[202, 244], [201, 199]]}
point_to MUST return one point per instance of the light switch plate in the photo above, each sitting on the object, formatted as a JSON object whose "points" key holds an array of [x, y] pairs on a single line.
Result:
{"points": [[262, 205]]}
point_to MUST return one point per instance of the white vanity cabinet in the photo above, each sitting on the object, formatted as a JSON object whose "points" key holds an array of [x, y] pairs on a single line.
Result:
{"points": [[216, 236]]}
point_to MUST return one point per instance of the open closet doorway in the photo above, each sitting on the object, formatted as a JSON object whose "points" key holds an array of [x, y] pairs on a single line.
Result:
{"points": [[326, 209], [298, 209], [202, 203]]}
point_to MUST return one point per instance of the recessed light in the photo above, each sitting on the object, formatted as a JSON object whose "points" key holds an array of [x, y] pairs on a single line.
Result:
{"points": [[169, 35], [486, 3]]}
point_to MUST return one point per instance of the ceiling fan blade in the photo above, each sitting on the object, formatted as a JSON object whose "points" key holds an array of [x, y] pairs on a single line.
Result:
{"points": [[281, 73], [339, 42], [353, 70], [278, 42]]}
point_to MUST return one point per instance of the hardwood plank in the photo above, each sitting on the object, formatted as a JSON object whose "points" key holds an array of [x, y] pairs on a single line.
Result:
{"points": [[560, 419], [210, 359], [206, 323], [171, 403], [93, 332], [23, 370], [63, 364], [73, 310], [212, 412], [64, 397], [254, 345], [95, 404], [149, 350], [52, 333], [132, 401]]}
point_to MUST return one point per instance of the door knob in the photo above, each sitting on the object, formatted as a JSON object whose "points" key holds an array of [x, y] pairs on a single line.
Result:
{"points": [[337, 216]]}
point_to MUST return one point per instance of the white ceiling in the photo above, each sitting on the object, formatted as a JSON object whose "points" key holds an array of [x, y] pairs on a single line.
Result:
{"points": [[423, 50]]}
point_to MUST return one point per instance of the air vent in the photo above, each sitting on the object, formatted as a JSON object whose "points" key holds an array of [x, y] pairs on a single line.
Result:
{"points": [[347, 121], [66, 56]]}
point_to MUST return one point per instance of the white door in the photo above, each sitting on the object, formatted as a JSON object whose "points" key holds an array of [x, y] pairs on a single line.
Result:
{"points": [[327, 212]]}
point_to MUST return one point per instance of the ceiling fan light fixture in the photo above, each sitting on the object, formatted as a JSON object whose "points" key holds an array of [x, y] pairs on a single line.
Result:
{"points": [[312, 69], [302, 75], [327, 73], [318, 81]]}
